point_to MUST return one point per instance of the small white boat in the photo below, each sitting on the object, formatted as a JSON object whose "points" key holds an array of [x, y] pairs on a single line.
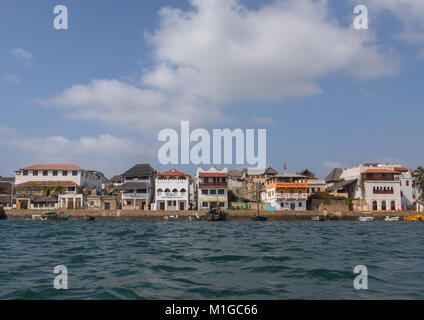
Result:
{"points": [[318, 218], [170, 218], [366, 219], [392, 219]]}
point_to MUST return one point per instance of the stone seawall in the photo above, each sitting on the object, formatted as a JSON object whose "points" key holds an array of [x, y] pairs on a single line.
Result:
{"points": [[232, 215]]}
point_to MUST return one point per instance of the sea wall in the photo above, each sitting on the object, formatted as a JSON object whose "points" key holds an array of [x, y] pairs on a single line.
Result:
{"points": [[232, 215]]}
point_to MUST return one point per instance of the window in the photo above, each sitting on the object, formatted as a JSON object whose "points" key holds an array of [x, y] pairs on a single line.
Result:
{"points": [[64, 173], [407, 183], [393, 206], [35, 173], [45, 173], [205, 191], [25, 173], [383, 206], [205, 179], [221, 191], [74, 173], [221, 204], [300, 204], [55, 173], [374, 205], [205, 204], [213, 191]]}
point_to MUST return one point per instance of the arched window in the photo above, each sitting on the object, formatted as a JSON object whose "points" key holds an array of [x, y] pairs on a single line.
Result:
{"points": [[374, 205], [175, 191], [183, 190], [160, 192], [383, 206], [393, 206], [167, 190]]}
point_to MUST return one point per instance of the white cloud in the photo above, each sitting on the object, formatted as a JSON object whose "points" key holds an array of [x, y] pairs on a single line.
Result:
{"points": [[218, 52], [13, 78], [22, 54], [105, 152], [118, 103]]}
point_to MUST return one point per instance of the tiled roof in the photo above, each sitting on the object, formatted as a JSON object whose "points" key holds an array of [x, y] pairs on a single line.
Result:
{"points": [[334, 175], [53, 167], [50, 183], [173, 172], [133, 185]]}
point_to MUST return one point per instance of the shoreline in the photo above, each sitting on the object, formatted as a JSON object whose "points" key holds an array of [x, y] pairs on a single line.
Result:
{"points": [[183, 215]]}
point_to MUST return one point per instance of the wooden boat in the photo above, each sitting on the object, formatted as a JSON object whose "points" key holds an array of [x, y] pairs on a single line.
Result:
{"points": [[216, 214], [392, 219], [89, 218], [366, 219], [170, 218], [318, 218], [259, 218], [3, 215], [53, 216], [418, 217]]}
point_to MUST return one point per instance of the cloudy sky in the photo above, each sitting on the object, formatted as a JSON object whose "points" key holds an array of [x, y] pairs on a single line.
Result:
{"points": [[98, 94]]}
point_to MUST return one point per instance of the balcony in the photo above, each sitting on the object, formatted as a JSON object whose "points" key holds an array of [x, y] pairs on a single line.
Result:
{"points": [[383, 192], [213, 184], [135, 196], [380, 179], [296, 196], [291, 184]]}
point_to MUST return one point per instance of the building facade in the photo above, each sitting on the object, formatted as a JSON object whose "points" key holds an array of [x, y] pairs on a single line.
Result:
{"points": [[172, 191], [137, 192], [211, 188], [58, 173], [286, 192]]}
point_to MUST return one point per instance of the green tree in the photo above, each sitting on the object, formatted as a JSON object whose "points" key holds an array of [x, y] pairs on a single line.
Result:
{"points": [[52, 191], [232, 196]]}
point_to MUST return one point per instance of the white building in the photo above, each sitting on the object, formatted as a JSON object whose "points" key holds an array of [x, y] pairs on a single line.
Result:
{"points": [[378, 187], [211, 188], [59, 173], [286, 192], [172, 191]]}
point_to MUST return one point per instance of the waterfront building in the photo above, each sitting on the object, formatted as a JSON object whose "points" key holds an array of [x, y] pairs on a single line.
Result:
{"points": [[286, 191], [85, 179], [314, 184], [137, 190], [211, 188], [255, 175], [374, 186], [172, 190]]}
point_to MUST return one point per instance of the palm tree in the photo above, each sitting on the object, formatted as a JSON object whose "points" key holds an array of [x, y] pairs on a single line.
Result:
{"points": [[256, 195]]}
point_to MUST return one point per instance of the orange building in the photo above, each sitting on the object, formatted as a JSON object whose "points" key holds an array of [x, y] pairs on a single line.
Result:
{"points": [[287, 192]]}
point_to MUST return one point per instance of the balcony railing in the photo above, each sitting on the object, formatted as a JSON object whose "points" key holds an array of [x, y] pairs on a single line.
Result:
{"points": [[383, 192], [291, 195], [213, 184], [380, 179]]}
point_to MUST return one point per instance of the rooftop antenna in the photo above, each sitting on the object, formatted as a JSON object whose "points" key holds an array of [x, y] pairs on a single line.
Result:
{"points": [[284, 166]]}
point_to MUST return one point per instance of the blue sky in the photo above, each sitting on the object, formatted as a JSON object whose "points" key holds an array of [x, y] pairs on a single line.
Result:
{"points": [[98, 94]]}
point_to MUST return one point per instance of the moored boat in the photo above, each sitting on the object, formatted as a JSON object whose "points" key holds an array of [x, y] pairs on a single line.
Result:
{"points": [[89, 218], [216, 214], [53, 216], [417, 217], [366, 219], [259, 218], [170, 218], [392, 219], [3, 215], [318, 218]]}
